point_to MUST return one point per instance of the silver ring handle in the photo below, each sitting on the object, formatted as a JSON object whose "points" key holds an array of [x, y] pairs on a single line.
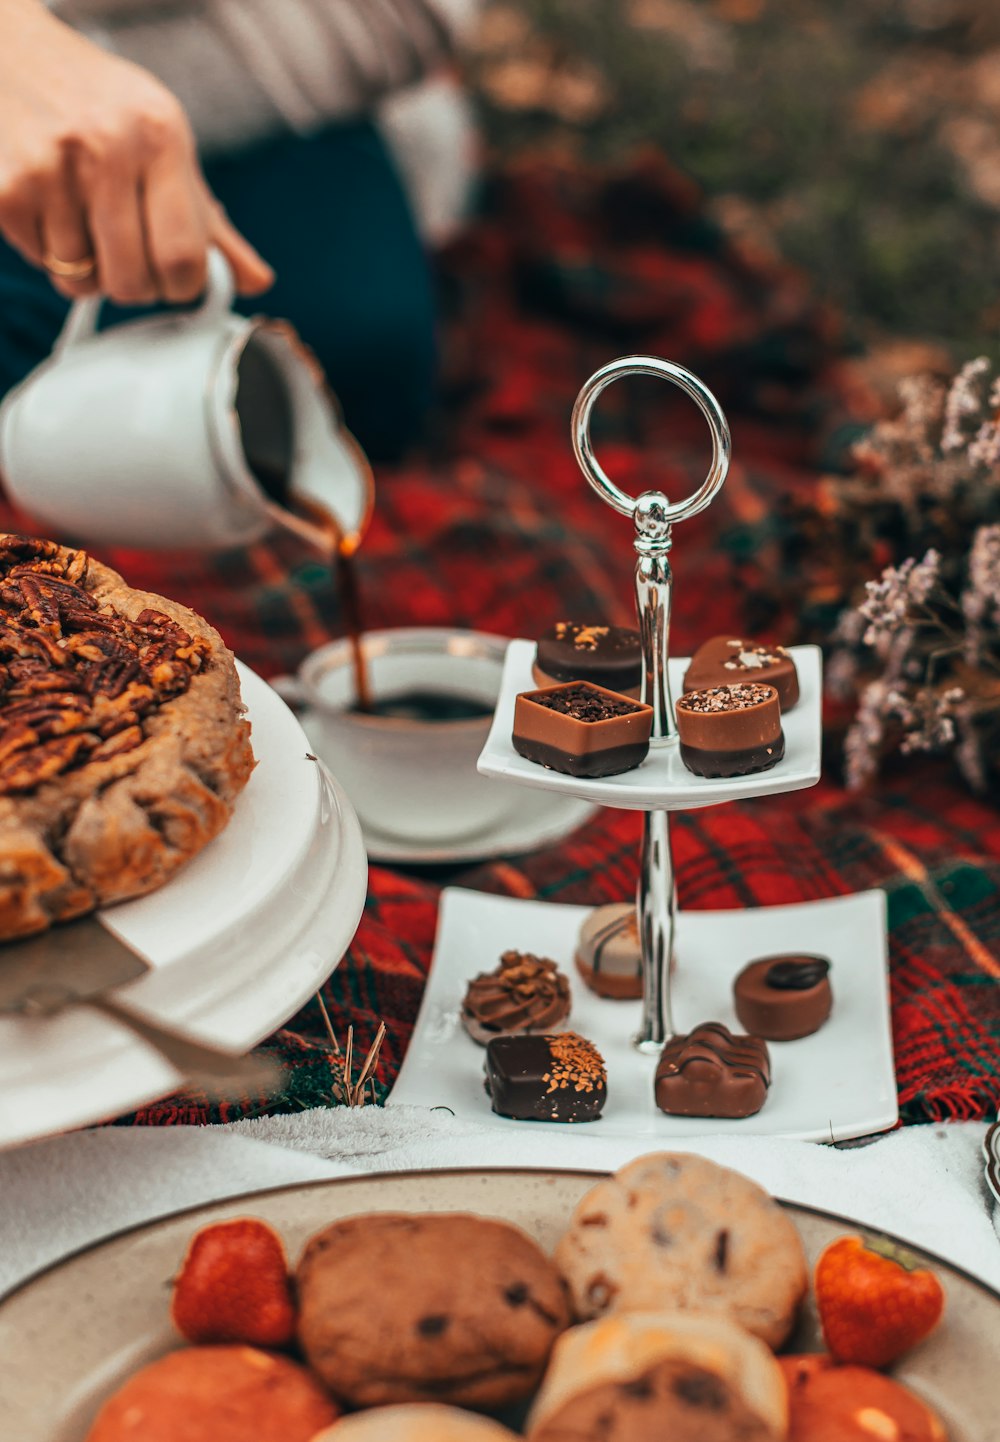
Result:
{"points": [[647, 365]]}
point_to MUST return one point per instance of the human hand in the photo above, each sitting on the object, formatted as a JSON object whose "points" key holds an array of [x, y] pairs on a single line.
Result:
{"points": [[98, 164]]}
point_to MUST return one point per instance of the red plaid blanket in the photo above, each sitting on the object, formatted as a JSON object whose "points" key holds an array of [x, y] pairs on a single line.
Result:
{"points": [[496, 529]]}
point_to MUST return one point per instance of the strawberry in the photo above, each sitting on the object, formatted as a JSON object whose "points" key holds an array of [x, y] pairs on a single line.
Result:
{"points": [[233, 1286], [875, 1301]]}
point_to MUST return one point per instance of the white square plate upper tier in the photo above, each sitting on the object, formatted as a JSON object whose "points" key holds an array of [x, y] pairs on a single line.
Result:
{"points": [[662, 782]]}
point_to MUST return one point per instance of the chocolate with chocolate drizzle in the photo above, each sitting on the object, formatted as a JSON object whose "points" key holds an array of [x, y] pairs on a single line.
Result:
{"points": [[713, 1073]]}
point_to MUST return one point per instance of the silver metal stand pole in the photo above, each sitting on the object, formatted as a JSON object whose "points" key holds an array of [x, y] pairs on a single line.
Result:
{"points": [[656, 893], [654, 515]]}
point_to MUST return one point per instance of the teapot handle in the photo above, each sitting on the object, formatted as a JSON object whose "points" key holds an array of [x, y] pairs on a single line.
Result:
{"points": [[81, 323]]}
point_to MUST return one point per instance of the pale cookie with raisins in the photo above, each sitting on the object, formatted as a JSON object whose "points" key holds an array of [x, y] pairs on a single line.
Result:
{"points": [[675, 1231], [123, 743]]}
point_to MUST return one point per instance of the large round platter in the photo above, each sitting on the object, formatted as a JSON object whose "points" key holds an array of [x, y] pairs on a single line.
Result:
{"points": [[101, 1314], [237, 941]]}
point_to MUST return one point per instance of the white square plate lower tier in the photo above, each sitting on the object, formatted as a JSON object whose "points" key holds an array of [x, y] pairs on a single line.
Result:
{"points": [[836, 1084], [662, 782]]}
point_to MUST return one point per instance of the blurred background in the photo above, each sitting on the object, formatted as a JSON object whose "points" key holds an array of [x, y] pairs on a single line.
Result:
{"points": [[858, 140]]}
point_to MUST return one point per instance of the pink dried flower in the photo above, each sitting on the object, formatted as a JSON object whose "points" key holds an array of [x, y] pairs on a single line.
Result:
{"points": [[863, 743], [969, 756], [927, 717], [964, 404], [984, 448], [981, 598], [891, 599]]}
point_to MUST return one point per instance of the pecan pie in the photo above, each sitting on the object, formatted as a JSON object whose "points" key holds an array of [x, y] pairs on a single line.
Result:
{"points": [[122, 738]]}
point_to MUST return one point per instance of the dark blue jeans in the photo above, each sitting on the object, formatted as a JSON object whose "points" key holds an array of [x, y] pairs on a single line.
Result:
{"points": [[329, 214]]}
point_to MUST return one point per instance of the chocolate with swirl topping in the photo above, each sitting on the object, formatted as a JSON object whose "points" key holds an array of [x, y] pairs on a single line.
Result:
{"points": [[525, 993], [713, 1073]]}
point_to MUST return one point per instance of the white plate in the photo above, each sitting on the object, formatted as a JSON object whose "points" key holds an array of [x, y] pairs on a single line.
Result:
{"points": [[94, 1319], [540, 821], [835, 1084], [662, 782], [238, 941]]}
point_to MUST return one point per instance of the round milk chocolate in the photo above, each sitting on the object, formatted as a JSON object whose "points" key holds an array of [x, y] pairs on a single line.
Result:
{"points": [[784, 997], [730, 730], [609, 656]]}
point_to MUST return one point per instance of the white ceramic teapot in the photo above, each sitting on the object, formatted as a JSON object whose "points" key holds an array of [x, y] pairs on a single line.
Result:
{"points": [[180, 429]]}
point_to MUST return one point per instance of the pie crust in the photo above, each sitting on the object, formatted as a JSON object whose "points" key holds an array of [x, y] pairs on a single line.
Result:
{"points": [[123, 741]]}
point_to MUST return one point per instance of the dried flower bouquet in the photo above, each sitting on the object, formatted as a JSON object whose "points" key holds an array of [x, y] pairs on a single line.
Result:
{"points": [[922, 649]]}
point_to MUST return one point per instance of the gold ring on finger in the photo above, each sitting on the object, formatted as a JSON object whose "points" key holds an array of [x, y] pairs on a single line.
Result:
{"points": [[69, 269]]}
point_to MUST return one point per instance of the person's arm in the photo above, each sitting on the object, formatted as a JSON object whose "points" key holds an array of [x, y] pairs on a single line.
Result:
{"points": [[321, 60], [98, 165]]}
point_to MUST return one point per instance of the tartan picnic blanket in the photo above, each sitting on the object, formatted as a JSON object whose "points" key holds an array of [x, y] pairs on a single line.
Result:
{"points": [[493, 527]]}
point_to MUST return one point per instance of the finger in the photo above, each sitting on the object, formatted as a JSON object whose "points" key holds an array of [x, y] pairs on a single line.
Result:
{"points": [[251, 272], [21, 203], [176, 227], [114, 201], [66, 238]]}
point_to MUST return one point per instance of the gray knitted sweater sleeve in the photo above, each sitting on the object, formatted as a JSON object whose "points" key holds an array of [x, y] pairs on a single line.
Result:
{"points": [[247, 68]]}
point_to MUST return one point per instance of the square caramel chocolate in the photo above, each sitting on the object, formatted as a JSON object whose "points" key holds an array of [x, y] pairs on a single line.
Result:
{"points": [[582, 729]]}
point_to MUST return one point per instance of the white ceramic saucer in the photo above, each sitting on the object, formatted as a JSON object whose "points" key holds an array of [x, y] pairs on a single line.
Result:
{"points": [[540, 821]]}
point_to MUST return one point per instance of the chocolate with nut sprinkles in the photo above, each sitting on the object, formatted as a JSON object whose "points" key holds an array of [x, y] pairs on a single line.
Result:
{"points": [[713, 1073], [729, 660], [581, 729], [730, 730], [605, 655], [559, 1078]]}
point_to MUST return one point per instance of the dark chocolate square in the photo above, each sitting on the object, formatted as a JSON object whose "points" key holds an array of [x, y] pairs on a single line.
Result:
{"points": [[556, 1078]]}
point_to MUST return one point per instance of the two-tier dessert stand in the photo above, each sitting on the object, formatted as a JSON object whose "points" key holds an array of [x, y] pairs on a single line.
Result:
{"points": [[835, 1084]]}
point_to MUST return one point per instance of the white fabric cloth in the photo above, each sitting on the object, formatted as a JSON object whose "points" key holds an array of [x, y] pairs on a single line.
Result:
{"points": [[925, 1184]]}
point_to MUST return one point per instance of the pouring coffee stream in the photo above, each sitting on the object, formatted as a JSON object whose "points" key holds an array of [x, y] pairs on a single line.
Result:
{"points": [[315, 524]]}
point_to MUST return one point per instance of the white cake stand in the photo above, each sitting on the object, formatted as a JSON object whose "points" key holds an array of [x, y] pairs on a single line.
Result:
{"points": [[662, 783]]}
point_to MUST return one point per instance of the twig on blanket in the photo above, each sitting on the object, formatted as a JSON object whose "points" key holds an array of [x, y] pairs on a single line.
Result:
{"points": [[348, 1091]]}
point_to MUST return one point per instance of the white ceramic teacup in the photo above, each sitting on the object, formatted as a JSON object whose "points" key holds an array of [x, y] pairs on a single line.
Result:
{"points": [[411, 780]]}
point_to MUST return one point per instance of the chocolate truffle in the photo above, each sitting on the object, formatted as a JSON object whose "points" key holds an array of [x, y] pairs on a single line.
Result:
{"points": [[581, 729], [730, 730], [560, 1078], [730, 660], [608, 656], [784, 997], [608, 953], [525, 993], [712, 1073]]}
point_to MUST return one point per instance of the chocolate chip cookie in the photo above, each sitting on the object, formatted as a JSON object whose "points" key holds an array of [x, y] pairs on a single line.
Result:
{"points": [[671, 1230], [442, 1307], [645, 1377]]}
